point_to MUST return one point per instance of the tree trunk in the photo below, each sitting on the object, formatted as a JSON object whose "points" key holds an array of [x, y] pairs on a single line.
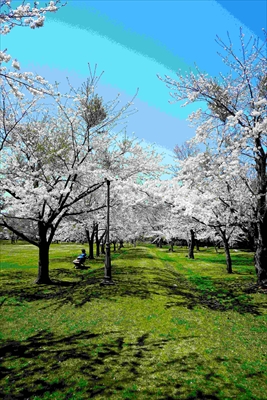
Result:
{"points": [[121, 244], [251, 239], [97, 241], [91, 250], [261, 241], [103, 242], [191, 244], [160, 243], [260, 258], [227, 252], [13, 238], [43, 265], [114, 246], [90, 239]]}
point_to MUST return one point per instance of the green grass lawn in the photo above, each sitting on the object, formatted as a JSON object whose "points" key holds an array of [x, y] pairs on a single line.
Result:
{"points": [[170, 328]]}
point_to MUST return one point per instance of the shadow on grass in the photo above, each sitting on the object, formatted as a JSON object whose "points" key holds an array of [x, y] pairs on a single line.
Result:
{"points": [[136, 253], [87, 364], [237, 260], [79, 287]]}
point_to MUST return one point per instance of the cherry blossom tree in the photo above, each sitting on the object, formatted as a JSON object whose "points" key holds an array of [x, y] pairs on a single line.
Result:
{"points": [[235, 121], [176, 223], [206, 209], [216, 194], [24, 15], [53, 162], [130, 206], [17, 84], [212, 190], [182, 152]]}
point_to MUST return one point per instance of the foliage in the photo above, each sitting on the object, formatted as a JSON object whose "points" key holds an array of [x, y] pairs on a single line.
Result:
{"points": [[232, 128]]}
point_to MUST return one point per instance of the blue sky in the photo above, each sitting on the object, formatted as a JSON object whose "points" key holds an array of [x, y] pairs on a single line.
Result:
{"points": [[132, 42]]}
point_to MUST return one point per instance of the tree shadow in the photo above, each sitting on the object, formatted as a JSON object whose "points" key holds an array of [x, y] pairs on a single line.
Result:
{"points": [[86, 363], [79, 287], [237, 260], [137, 253]]}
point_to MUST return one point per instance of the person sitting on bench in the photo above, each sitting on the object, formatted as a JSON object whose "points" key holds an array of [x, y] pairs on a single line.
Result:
{"points": [[80, 260]]}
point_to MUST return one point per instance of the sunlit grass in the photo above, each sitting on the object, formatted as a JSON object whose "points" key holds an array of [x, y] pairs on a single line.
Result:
{"points": [[170, 328]]}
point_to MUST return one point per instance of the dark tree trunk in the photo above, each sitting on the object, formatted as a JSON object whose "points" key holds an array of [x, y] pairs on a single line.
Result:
{"points": [[160, 243], [251, 235], [260, 258], [90, 239], [97, 248], [13, 238], [114, 246], [217, 246], [103, 248], [97, 241], [261, 214], [227, 252], [251, 240], [121, 244], [103, 242], [171, 245], [43, 265], [191, 244], [91, 250]]}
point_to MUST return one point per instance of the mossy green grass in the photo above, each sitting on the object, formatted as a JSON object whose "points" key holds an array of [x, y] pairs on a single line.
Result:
{"points": [[170, 327]]}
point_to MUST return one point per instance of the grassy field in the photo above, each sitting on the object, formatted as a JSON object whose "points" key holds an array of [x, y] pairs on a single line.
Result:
{"points": [[170, 328]]}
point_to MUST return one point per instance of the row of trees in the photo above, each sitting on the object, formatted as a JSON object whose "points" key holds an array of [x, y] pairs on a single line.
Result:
{"points": [[58, 151], [56, 161], [223, 175]]}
